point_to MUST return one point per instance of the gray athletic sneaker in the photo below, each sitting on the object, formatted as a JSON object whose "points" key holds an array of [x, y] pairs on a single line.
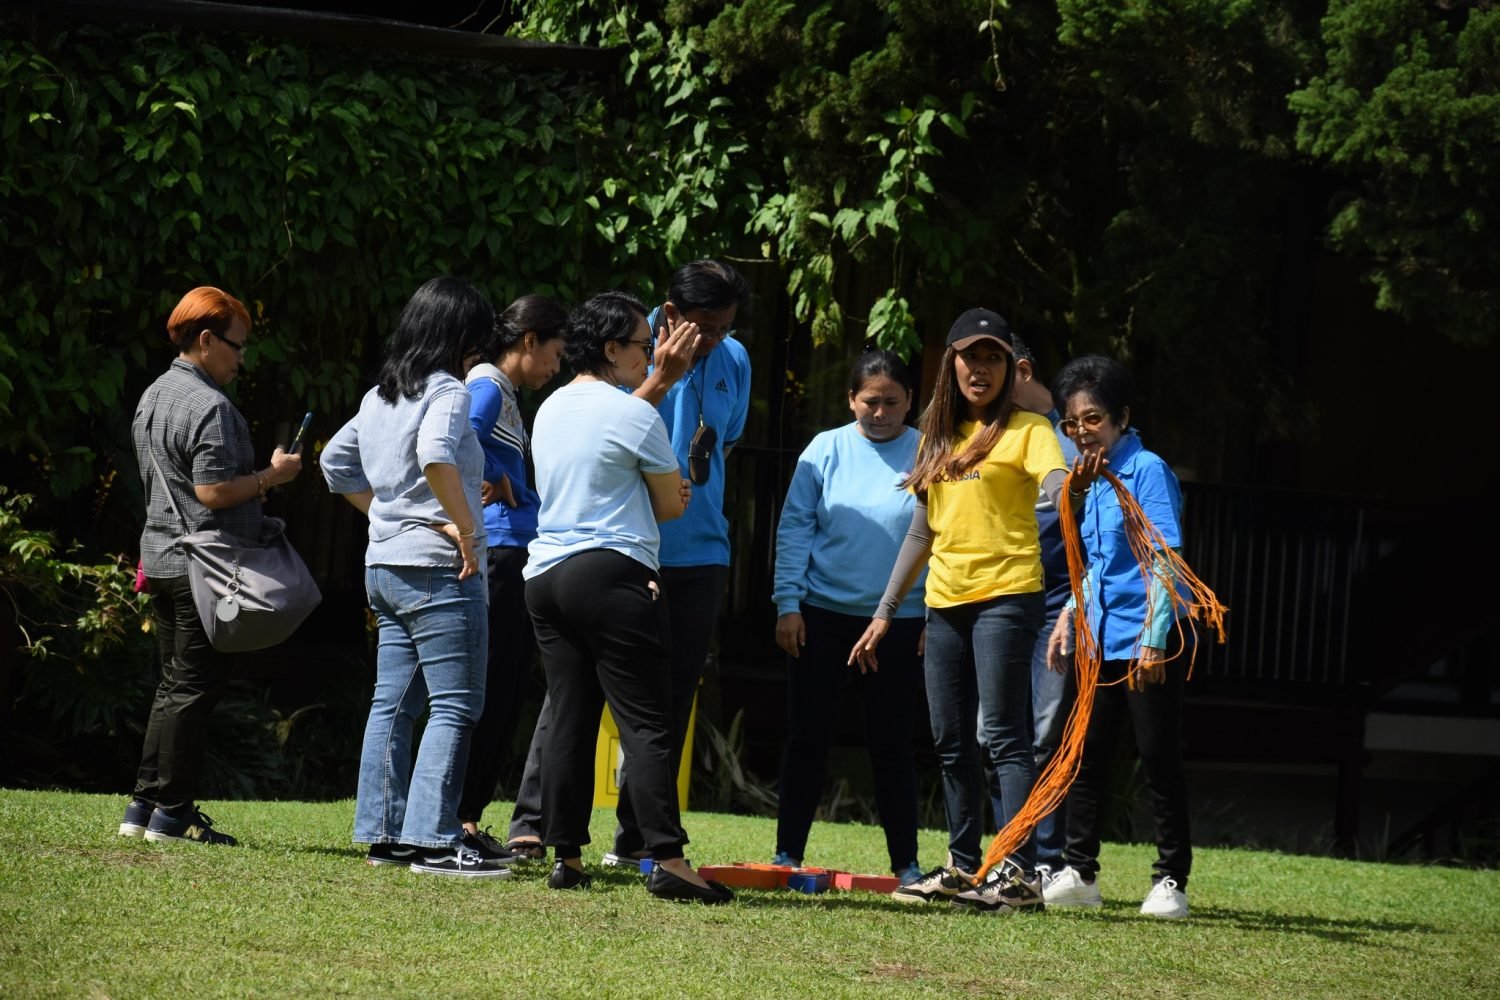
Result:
{"points": [[937, 885], [1011, 893]]}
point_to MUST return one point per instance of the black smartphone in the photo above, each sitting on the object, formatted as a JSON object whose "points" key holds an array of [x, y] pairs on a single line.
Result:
{"points": [[301, 432]]}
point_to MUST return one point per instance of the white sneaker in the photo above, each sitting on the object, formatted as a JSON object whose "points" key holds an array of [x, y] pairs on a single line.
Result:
{"points": [[1067, 888], [1165, 900]]}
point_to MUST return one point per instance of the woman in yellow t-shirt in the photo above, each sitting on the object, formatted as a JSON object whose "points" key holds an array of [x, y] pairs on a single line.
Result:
{"points": [[977, 472]]}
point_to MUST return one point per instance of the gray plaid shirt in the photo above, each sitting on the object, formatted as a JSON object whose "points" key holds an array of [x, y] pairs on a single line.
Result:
{"points": [[198, 438]]}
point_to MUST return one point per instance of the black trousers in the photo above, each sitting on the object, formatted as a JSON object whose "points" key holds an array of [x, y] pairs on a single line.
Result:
{"points": [[507, 672], [891, 697], [602, 633], [1156, 715], [193, 678], [695, 593]]}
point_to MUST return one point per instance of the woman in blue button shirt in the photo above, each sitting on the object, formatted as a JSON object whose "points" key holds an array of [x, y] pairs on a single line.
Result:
{"points": [[841, 526], [1136, 630]]}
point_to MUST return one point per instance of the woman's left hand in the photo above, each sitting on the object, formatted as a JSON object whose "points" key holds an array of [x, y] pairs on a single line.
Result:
{"points": [[1149, 669], [1086, 469], [466, 549], [685, 490]]}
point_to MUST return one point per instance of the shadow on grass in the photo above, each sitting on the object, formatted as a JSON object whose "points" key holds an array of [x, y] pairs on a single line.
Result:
{"points": [[1327, 928]]}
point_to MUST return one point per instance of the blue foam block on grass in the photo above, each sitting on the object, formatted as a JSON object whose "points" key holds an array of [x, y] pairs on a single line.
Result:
{"points": [[809, 882]]}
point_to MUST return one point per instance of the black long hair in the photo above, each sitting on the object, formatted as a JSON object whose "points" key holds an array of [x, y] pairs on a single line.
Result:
{"points": [[876, 362], [529, 314], [444, 322]]}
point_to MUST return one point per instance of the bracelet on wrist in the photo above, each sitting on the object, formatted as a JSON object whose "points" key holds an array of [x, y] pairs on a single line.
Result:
{"points": [[260, 483]]}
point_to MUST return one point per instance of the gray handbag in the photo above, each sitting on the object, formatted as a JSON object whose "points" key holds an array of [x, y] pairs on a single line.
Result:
{"points": [[250, 593]]}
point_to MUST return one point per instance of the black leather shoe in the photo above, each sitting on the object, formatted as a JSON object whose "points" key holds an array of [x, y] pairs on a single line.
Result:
{"points": [[664, 885], [564, 877]]}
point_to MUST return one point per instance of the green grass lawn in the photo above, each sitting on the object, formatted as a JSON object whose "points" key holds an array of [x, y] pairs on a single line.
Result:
{"points": [[294, 911]]}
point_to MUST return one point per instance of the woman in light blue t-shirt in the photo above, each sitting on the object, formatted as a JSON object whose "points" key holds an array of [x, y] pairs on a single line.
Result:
{"points": [[841, 526], [607, 475]]}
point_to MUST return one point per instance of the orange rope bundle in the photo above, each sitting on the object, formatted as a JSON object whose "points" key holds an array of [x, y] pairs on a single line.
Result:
{"points": [[1156, 559]]}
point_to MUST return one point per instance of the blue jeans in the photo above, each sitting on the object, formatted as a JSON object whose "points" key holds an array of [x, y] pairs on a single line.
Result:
{"points": [[979, 669], [433, 638], [1052, 699]]}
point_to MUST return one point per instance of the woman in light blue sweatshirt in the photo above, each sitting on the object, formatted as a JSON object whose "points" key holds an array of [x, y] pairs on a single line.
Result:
{"points": [[841, 526]]}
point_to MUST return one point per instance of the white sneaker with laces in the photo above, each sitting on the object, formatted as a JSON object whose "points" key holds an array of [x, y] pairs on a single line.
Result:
{"points": [[1166, 901], [1068, 888]]}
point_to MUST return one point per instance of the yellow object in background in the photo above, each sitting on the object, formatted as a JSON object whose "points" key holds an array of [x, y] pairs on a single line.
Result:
{"points": [[607, 757]]}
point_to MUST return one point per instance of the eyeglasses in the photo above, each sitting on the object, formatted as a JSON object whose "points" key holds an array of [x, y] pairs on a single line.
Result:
{"points": [[649, 346], [728, 331], [219, 336], [1092, 420]]}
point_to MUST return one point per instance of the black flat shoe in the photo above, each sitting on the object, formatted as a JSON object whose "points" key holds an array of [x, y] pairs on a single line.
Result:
{"points": [[565, 877], [664, 885]]}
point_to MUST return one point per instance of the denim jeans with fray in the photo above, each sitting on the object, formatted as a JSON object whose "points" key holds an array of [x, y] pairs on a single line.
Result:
{"points": [[433, 637]]}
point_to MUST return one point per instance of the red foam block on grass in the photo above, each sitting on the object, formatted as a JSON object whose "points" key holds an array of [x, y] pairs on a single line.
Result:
{"points": [[866, 883]]}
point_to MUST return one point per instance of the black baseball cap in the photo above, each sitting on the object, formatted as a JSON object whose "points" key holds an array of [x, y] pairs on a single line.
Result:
{"points": [[979, 324]]}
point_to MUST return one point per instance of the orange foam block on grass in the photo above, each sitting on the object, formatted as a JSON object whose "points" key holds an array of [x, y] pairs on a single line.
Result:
{"points": [[747, 876]]}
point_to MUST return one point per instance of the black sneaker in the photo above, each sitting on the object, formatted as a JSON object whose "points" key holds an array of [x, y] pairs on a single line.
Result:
{"points": [[565, 876], [137, 818], [459, 862], [490, 849], [1012, 892], [191, 826], [937, 885], [391, 854]]}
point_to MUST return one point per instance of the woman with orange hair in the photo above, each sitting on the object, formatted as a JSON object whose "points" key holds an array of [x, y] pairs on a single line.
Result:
{"points": [[195, 457]]}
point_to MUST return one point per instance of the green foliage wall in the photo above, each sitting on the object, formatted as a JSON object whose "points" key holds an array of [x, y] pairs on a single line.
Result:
{"points": [[320, 185], [1109, 176], [1154, 180], [1408, 107]]}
